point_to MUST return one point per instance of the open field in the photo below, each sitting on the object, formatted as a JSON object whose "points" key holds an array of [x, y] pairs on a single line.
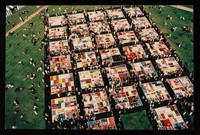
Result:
{"points": [[189, 6], [136, 121], [185, 39], [17, 74]]}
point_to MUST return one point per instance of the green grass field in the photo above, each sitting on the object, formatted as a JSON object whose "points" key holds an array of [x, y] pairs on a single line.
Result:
{"points": [[136, 121], [16, 73], [187, 45], [15, 17], [189, 6], [191, 117]]}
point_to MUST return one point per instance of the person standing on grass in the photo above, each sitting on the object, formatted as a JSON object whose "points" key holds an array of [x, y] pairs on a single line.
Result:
{"points": [[25, 51], [35, 107], [36, 99], [21, 63], [31, 60], [31, 24], [15, 104], [33, 64], [33, 91], [13, 24], [24, 36], [49, 106], [21, 19], [46, 115], [16, 111], [21, 116], [14, 125], [179, 45], [35, 111]]}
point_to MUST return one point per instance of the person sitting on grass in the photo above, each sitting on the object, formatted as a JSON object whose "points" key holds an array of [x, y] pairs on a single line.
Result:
{"points": [[24, 36], [33, 92], [24, 28], [21, 88], [39, 84], [13, 24], [34, 64], [35, 111], [35, 106], [14, 126], [16, 103], [31, 24], [31, 86], [21, 62], [178, 44], [31, 60], [39, 48], [25, 51], [16, 111], [165, 23], [18, 43], [31, 76], [10, 85], [168, 35], [182, 18], [187, 29], [36, 99], [21, 116], [173, 29]]}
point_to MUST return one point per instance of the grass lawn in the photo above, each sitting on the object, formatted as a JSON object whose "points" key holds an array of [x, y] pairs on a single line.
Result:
{"points": [[192, 120], [17, 74], [186, 50], [15, 16], [189, 6], [191, 117], [136, 121]]}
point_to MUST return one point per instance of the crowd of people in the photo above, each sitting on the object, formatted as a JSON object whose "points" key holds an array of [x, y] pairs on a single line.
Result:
{"points": [[80, 122], [109, 84]]}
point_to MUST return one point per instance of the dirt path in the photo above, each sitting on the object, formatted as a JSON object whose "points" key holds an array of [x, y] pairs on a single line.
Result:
{"points": [[183, 8], [29, 18]]}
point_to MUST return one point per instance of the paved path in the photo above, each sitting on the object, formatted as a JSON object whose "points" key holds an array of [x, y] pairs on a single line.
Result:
{"points": [[29, 18], [183, 8]]}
